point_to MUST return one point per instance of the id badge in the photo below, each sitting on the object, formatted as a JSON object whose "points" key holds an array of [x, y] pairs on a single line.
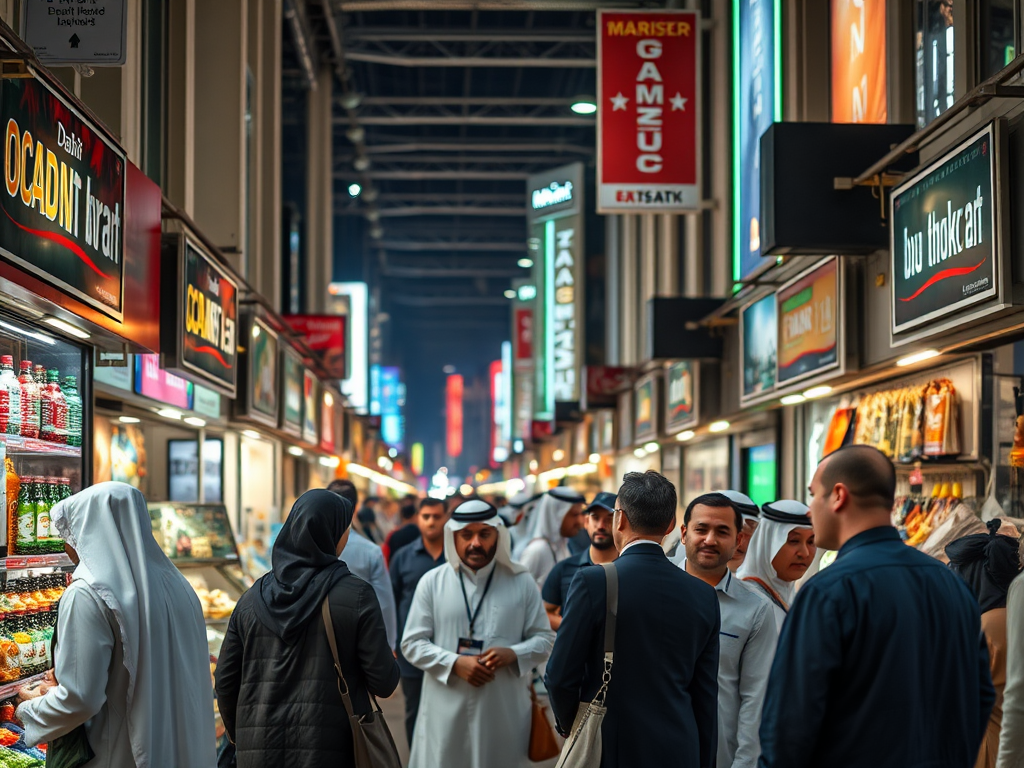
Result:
{"points": [[470, 647]]}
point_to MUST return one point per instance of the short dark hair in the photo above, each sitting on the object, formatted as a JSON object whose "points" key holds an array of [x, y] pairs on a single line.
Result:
{"points": [[649, 502], [866, 472], [346, 489], [717, 501], [407, 511], [430, 501]]}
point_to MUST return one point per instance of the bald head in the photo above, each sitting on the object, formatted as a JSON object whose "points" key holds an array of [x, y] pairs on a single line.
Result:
{"points": [[852, 491], [867, 473]]}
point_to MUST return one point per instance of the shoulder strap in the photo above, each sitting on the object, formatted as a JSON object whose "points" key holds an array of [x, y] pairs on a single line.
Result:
{"points": [[611, 580], [333, 642]]}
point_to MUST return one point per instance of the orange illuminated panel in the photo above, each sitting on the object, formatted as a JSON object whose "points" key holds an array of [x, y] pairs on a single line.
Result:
{"points": [[453, 400], [858, 62]]}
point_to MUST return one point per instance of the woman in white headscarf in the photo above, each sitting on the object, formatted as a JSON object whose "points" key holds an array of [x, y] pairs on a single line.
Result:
{"points": [[131, 660], [780, 553], [545, 540]]}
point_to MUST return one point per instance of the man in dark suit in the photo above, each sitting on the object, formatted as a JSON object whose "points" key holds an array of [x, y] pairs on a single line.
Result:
{"points": [[663, 697]]}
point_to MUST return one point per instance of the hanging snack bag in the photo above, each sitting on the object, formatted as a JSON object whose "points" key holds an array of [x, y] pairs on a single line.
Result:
{"points": [[941, 432]]}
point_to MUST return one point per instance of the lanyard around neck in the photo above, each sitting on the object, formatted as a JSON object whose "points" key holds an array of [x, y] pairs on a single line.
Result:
{"points": [[472, 615]]}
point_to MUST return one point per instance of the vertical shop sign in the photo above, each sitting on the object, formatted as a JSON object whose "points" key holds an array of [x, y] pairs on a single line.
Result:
{"points": [[522, 372], [453, 400], [199, 331], [645, 421], [262, 391], [758, 347], [757, 103], [291, 392], [416, 460], [494, 377], [680, 396], [808, 311], [943, 240], [556, 237], [858, 62], [327, 417], [64, 210], [353, 301], [391, 427], [325, 335], [648, 111]]}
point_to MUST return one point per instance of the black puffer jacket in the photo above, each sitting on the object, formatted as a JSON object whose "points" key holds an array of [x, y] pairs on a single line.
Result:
{"points": [[280, 703]]}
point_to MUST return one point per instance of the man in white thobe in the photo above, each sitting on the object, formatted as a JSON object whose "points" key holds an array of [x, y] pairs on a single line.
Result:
{"points": [[476, 628], [557, 517], [711, 530]]}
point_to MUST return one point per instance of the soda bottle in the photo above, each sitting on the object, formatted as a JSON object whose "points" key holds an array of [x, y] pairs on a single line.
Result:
{"points": [[53, 410], [26, 541], [10, 397], [74, 400], [43, 503], [13, 495], [29, 401]]}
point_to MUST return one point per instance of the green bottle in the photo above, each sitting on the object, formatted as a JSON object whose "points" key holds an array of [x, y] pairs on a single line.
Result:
{"points": [[44, 502], [26, 542]]}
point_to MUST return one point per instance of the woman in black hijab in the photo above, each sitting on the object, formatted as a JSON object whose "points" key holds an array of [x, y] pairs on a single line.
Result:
{"points": [[988, 562], [275, 675]]}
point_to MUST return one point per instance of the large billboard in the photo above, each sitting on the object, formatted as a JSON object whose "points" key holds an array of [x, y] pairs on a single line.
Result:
{"points": [[63, 217], [757, 103], [648, 93], [944, 250], [808, 316]]}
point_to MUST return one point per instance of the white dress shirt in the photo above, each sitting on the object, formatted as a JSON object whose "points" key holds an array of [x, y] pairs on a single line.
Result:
{"points": [[366, 560], [747, 649], [1011, 738]]}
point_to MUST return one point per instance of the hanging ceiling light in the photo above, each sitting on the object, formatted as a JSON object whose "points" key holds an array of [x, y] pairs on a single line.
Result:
{"points": [[354, 189], [584, 105]]}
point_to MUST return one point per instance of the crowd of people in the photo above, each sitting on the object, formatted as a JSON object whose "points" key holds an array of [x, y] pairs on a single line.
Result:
{"points": [[734, 649]]}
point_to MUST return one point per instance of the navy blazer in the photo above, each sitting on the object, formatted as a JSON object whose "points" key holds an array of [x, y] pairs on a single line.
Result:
{"points": [[663, 697]]}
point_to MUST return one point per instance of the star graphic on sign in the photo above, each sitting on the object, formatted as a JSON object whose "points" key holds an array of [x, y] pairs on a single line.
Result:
{"points": [[619, 101], [678, 102]]}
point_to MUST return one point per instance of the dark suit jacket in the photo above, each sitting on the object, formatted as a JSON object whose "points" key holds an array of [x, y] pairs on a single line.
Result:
{"points": [[663, 697]]}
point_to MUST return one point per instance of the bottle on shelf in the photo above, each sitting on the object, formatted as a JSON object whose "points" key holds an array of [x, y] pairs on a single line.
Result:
{"points": [[44, 503], [74, 418], [53, 410], [13, 483], [25, 541], [10, 397], [29, 401]]}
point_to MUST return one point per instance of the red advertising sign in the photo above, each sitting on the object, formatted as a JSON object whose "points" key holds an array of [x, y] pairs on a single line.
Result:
{"points": [[453, 410], [648, 110], [325, 335], [494, 374], [524, 334]]}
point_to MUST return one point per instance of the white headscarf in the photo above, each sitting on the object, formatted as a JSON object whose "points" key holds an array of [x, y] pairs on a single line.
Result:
{"points": [[477, 509], [169, 708], [770, 536], [545, 521]]}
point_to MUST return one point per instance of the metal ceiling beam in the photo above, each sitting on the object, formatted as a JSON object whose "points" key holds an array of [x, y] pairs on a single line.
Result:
{"points": [[405, 34], [450, 210], [412, 245], [396, 60], [447, 274], [468, 145], [354, 6], [457, 119], [454, 175], [343, 161], [447, 301], [305, 43], [428, 50]]}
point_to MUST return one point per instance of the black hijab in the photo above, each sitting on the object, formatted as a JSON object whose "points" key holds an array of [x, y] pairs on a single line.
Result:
{"points": [[988, 562], [305, 564]]}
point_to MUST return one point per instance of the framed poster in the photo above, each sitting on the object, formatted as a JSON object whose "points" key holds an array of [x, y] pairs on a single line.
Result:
{"points": [[645, 403], [260, 387], [681, 388], [758, 342], [291, 392], [809, 312], [310, 409], [183, 470]]}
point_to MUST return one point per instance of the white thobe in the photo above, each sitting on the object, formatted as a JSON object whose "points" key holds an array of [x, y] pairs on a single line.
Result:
{"points": [[458, 724], [540, 557]]}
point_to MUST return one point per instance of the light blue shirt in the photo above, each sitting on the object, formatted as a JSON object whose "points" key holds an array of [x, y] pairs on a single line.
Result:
{"points": [[365, 560], [747, 649]]}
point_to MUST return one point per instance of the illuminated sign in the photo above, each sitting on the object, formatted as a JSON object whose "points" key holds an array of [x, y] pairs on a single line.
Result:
{"points": [[391, 425], [649, 112], [353, 301], [453, 413], [553, 194], [527, 292], [858, 62], [808, 334], [757, 102], [758, 344]]}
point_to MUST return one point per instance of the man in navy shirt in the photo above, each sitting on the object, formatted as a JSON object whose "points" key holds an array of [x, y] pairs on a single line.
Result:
{"points": [[881, 661], [407, 568], [597, 522]]}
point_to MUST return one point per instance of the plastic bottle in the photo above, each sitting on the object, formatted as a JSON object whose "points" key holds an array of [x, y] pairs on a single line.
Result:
{"points": [[26, 535], [74, 400], [10, 397], [54, 410], [13, 494], [29, 401]]}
